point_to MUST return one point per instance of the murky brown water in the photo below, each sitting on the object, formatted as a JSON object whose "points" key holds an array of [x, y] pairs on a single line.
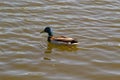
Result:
{"points": [[26, 55]]}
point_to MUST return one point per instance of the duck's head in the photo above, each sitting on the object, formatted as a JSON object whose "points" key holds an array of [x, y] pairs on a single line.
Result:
{"points": [[48, 30]]}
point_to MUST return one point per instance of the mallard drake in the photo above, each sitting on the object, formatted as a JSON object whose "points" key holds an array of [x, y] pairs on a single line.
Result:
{"points": [[59, 39]]}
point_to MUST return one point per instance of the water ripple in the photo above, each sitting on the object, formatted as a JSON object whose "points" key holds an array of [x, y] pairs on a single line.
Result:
{"points": [[25, 53]]}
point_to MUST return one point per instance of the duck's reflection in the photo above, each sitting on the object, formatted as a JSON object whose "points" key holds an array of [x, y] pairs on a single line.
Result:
{"points": [[51, 48]]}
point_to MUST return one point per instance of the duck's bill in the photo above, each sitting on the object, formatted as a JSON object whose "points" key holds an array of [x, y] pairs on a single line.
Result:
{"points": [[42, 31]]}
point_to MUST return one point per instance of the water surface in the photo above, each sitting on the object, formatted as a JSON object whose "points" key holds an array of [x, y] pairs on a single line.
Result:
{"points": [[25, 54]]}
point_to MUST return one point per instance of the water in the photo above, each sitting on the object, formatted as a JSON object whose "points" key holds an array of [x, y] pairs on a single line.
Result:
{"points": [[26, 55]]}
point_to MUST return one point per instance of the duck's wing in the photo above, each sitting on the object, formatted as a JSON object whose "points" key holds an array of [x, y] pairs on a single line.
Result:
{"points": [[63, 38]]}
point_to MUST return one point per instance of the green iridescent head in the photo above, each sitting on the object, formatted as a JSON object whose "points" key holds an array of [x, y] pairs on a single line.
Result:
{"points": [[48, 30]]}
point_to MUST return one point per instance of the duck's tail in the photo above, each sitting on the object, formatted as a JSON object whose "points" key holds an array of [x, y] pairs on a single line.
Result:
{"points": [[74, 42]]}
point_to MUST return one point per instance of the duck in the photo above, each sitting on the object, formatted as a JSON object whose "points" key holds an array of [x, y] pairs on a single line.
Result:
{"points": [[58, 39]]}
